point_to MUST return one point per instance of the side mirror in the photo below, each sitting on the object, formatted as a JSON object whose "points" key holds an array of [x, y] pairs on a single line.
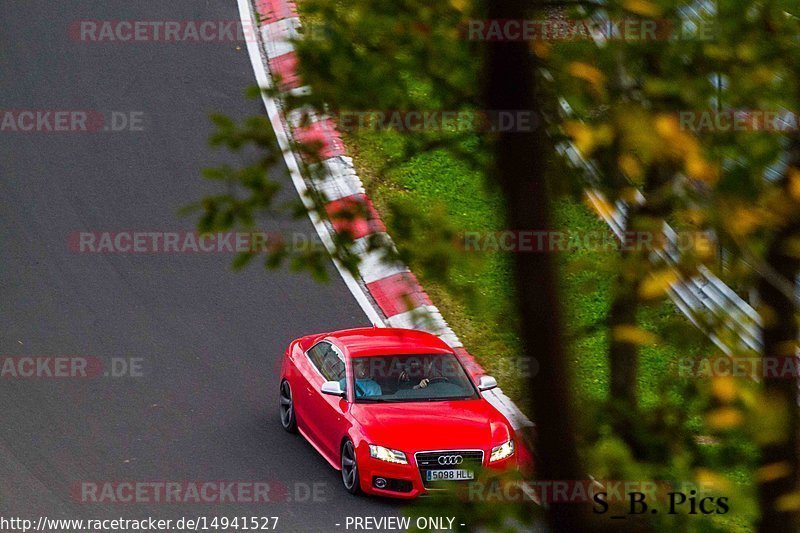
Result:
{"points": [[333, 388], [487, 383]]}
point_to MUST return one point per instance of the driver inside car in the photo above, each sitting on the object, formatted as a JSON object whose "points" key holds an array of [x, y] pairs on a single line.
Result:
{"points": [[415, 368]]}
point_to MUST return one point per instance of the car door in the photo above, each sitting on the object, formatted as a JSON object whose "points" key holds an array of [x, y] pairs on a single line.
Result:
{"points": [[311, 376], [332, 424], [322, 413]]}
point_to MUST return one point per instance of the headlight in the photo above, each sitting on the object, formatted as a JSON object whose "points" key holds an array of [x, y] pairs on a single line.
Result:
{"points": [[387, 454], [502, 451]]}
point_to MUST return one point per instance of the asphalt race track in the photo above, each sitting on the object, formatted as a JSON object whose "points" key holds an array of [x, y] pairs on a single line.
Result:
{"points": [[208, 339]]}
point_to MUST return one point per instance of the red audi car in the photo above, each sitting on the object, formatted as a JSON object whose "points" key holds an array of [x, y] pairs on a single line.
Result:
{"points": [[392, 409]]}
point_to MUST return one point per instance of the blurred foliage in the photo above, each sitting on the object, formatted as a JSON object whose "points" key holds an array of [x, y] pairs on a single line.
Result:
{"points": [[628, 101]]}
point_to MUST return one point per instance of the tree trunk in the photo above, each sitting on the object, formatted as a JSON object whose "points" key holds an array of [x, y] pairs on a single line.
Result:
{"points": [[623, 355], [780, 342], [521, 158]]}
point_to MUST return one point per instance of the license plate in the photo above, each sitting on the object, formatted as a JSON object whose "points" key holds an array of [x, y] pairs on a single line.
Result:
{"points": [[449, 475]]}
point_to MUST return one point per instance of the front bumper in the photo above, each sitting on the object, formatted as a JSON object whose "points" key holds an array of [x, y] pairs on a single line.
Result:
{"points": [[405, 481]]}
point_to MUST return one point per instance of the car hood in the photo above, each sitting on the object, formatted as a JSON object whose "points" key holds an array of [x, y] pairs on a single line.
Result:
{"points": [[440, 425]]}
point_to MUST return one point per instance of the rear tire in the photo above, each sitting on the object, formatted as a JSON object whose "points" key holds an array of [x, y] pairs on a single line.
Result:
{"points": [[350, 477], [288, 418]]}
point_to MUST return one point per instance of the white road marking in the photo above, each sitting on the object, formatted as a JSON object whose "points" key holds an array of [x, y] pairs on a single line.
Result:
{"points": [[273, 113]]}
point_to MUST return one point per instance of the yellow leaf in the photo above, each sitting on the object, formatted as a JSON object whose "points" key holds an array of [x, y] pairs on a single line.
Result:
{"points": [[692, 216], [630, 194], [788, 502], [657, 284], [541, 49], [695, 216], [633, 335], [604, 134], [724, 388], [710, 480], [746, 52], [668, 126], [743, 221], [763, 75], [794, 183], [773, 471], [700, 169], [460, 5], [642, 7], [582, 135], [630, 166], [588, 73], [724, 418]]}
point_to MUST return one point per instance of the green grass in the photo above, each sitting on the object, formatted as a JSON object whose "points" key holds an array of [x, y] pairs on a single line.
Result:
{"points": [[586, 283], [484, 325]]}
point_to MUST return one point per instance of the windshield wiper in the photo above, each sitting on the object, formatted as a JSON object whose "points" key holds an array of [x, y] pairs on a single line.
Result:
{"points": [[449, 398]]}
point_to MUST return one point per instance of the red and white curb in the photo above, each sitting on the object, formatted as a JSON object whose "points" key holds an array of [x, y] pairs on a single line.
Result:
{"points": [[385, 291]]}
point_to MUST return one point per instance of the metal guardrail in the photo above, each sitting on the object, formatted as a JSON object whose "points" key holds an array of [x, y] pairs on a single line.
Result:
{"points": [[729, 321]]}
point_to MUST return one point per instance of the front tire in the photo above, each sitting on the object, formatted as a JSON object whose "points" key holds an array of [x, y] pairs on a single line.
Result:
{"points": [[350, 477], [288, 418]]}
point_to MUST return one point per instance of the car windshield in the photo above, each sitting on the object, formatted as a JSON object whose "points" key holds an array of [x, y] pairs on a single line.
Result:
{"points": [[411, 378]]}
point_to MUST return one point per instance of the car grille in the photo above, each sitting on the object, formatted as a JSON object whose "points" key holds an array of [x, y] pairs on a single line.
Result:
{"points": [[470, 460]]}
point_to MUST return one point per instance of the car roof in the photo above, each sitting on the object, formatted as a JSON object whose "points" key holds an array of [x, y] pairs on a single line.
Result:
{"points": [[366, 342]]}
